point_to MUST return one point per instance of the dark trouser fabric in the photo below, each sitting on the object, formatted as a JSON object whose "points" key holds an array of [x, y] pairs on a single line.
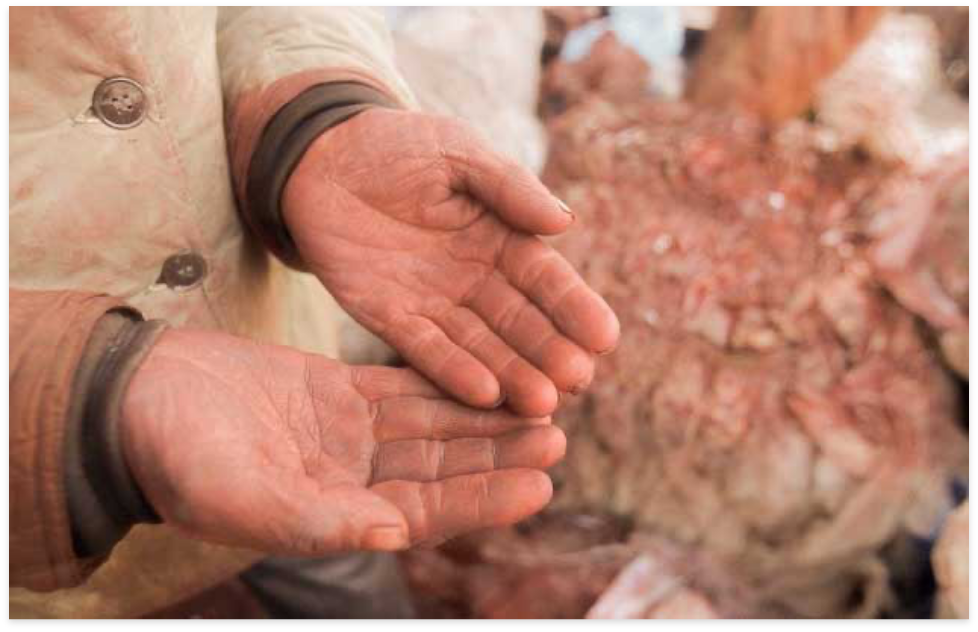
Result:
{"points": [[351, 586]]}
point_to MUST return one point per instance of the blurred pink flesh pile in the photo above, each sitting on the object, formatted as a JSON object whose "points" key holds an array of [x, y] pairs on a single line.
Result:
{"points": [[918, 226], [777, 410], [950, 559]]}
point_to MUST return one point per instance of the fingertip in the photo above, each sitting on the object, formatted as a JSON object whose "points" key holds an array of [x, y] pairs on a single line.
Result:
{"points": [[489, 395], [570, 367], [525, 490], [556, 445], [609, 333], [557, 218], [481, 391], [527, 205], [590, 322], [542, 401], [543, 489], [537, 448], [500, 400], [386, 538], [612, 335], [566, 209]]}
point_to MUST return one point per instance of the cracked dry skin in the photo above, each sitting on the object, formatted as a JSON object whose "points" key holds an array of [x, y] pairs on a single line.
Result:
{"points": [[770, 409]]}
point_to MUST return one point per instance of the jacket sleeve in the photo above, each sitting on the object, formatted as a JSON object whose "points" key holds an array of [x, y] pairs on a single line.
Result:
{"points": [[66, 347], [269, 56]]}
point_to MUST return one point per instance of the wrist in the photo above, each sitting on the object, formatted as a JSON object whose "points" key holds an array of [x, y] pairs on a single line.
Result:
{"points": [[104, 501], [282, 145]]}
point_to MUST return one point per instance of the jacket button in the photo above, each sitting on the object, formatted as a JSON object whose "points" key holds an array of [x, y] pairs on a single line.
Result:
{"points": [[183, 271], [119, 102]]}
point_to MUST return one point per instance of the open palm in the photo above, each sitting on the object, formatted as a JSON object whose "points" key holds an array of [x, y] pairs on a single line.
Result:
{"points": [[269, 448], [428, 239]]}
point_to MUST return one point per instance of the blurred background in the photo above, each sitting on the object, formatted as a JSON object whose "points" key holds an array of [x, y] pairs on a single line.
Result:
{"points": [[775, 202]]}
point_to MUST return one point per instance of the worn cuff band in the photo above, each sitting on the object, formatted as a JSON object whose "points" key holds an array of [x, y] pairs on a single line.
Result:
{"points": [[283, 143], [104, 501]]}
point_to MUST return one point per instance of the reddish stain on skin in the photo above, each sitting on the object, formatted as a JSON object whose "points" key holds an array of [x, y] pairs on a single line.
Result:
{"points": [[24, 191]]}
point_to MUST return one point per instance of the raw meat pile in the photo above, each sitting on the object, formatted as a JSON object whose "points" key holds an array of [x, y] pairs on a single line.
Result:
{"points": [[918, 227], [772, 416], [770, 404]]}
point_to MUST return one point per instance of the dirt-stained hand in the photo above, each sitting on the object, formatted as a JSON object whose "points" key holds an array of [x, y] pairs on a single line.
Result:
{"points": [[268, 448], [429, 239]]}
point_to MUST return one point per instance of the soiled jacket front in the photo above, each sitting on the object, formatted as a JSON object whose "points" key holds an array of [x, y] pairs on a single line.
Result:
{"points": [[96, 210]]}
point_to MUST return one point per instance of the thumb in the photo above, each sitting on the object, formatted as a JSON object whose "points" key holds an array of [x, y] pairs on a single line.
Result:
{"points": [[344, 518], [507, 188]]}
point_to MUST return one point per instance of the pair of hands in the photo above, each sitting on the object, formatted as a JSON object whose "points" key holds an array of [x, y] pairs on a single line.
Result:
{"points": [[427, 238]]}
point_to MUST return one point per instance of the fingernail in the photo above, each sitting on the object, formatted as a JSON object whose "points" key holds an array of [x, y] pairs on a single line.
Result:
{"points": [[607, 351], [501, 400], [565, 208], [385, 539]]}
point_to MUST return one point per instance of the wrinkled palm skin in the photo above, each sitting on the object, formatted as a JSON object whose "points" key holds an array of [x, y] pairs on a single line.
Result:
{"points": [[428, 239], [266, 447]]}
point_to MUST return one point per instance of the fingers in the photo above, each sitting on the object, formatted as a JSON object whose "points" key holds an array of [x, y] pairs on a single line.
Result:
{"points": [[429, 460], [441, 510], [504, 186], [376, 383], [533, 335], [549, 280], [426, 348], [399, 419], [315, 520], [527, 390]]}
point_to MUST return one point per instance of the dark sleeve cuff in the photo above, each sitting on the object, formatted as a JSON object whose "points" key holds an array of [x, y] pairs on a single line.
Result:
{"points": [[104, 501], [283, 143]]}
